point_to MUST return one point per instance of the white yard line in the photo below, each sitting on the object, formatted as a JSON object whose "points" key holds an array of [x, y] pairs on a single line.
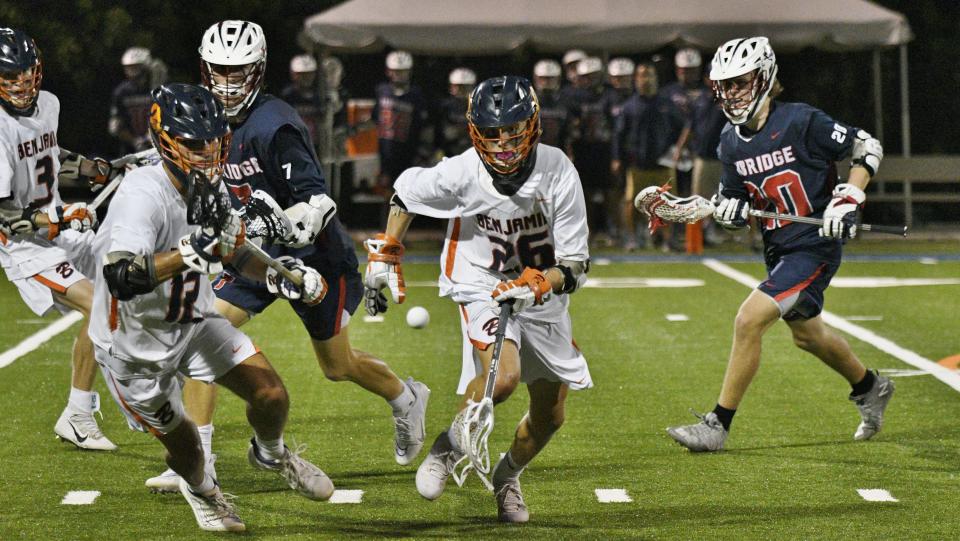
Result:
{"points": [[80, 497], [346, 496], [39, 338], [678, 317], [612, 495], [876, 495], [885, 345]]}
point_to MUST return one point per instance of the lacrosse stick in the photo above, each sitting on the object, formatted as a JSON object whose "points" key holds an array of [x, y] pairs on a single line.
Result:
{"points": [[662, 206], [257, 252], [475, 422], [118, 169]]}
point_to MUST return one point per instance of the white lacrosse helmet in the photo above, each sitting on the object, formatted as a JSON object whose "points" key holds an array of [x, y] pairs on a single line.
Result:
{"points": [[739, 57], [134, 56], [303, 63], [399, 60], [619, 67], [687, 58], [463, 76], [546, 68], [573, 55], [233, 58], [588, 65]]}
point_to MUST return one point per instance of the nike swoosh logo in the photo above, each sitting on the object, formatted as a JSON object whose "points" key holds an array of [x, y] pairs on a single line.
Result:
{"points": [[775, 135], [236, 349], [80, 439]]}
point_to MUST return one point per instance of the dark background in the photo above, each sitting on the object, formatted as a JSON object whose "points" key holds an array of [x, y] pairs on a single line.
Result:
{"points": [[82, 42]]}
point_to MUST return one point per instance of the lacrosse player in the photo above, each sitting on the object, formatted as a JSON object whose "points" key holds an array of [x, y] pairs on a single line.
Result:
{"points": [[517, 232], [169, 227], [44, 242], [779, 156], [273, 174]]}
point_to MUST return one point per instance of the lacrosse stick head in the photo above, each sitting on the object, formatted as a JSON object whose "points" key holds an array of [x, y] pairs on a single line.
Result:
{"points": [[473, 426], [661, 206], [207, 206], [264, 218]]}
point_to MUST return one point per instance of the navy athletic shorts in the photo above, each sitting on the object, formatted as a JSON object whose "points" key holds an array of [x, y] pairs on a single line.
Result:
{"points": [[322, 321], [797, 277]]}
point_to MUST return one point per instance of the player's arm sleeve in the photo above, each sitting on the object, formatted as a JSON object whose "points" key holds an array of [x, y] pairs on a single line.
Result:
{"points": [[6, 174], [570, 219], [431, 191], [295, 164], [731, 183], [828, 139], [134, 222]]}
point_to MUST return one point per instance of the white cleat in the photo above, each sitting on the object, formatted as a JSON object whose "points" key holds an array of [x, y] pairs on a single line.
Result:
{"points": [[434, 471], [411, 428], [168, 482], [307, 479], [872, 404], [81, 429], [214, 512]]}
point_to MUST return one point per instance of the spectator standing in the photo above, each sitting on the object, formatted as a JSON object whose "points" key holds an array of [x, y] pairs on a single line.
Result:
{"points": [[451, 134], [130, 102], [401, 116], [554, 113]]}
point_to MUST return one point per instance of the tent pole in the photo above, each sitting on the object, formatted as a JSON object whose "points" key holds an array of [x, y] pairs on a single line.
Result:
{"points": [[877, 95], [904, 103]]}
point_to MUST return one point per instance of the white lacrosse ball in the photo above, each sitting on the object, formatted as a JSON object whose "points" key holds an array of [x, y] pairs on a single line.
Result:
{"points": [[418, 317]]}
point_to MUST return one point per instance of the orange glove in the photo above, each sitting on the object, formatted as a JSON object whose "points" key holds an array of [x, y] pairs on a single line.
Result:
{"points": [[74, 216], [384, 254], [531, 288]]}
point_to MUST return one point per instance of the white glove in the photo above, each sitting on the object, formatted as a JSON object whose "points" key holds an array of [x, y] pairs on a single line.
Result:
{"points": [[314, 287], [840, 216], [265, 219], [384, 254], [732, 213], [309, 219], [75, 216], [204, 251]]}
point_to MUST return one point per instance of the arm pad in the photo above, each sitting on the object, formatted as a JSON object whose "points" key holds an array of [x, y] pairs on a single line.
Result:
{"points": [[867, 152], [574, 274], [128, 276]]}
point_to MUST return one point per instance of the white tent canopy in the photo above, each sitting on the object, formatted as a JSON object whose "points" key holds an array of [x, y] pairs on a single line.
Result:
{"points": [[479, 27], [472, 27]]}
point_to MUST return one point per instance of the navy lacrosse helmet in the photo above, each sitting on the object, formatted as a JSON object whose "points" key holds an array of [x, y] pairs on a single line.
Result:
{"points": [[20, 72], [504, 120], [189, 129]]}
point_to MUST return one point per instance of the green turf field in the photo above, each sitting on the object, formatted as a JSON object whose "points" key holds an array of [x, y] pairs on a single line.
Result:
{"points": [[791, 469]]}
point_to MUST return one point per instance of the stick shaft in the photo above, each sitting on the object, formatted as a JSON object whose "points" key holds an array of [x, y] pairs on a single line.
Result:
{"points": [[274, 264], [501, 334], [889, 229], [114, 183]]}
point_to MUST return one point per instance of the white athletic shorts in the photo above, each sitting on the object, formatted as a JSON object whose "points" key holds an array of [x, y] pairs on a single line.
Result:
{"points": [[152, 399], [37, 290], [547, 350]]}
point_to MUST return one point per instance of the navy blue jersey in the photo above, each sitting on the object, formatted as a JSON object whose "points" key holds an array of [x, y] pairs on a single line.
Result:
{"points": [[683, 97], [451, 135], [554, 119], [129, 111], [642, 131], [400, 121], [787, 167], [308, 106], [271, 151]]}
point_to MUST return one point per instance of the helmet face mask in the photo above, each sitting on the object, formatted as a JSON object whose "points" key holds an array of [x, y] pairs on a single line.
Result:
{"points": [[233, 59], [503, 117], [188, 127], [21, 72], [743, 73]]}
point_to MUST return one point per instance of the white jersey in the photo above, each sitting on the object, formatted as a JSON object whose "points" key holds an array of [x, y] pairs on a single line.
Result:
{"points": [[149, 333], [492, 237], [29, 165]]}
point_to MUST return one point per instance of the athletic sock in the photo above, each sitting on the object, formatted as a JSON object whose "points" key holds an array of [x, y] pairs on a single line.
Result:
{"points": [[402, 403], [82, 401], [206, 439], [724, 415], [205, 487], [270, 449], [506, 470], [452, 436], [864, 385]]}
